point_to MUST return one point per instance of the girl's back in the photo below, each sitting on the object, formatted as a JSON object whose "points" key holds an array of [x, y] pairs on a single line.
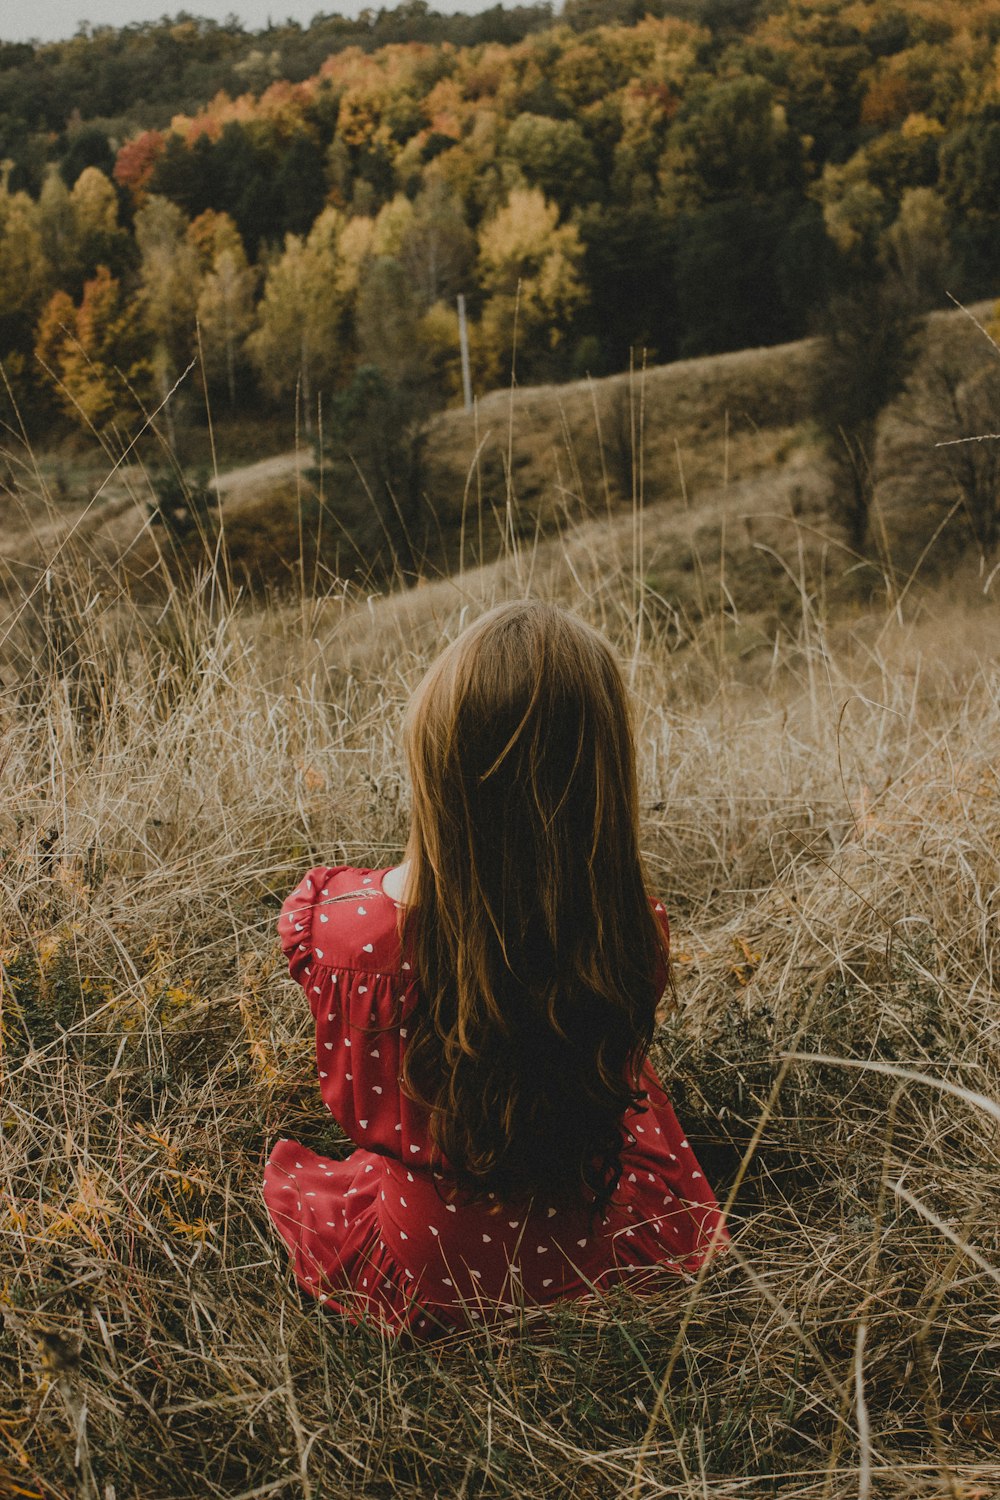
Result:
{"points": [[388, 1233]]}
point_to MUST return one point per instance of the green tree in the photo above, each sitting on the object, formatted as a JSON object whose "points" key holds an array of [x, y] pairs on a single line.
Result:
{"points": [[378, 426], [732, 141], [555, 156], [57, 223], [629, 269], [376, 435], [917, 247], [863, 359], [748, 273], [298, 185], [387, 319], [182, 504], [88, 147], [970, 184], [438, 250], [824, 72]]}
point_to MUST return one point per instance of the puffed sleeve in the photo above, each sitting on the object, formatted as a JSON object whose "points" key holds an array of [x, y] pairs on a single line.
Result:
{"points": [[295, 927], [342, 944]]}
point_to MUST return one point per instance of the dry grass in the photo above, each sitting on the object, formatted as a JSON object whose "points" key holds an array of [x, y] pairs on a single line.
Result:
{"points": [[822, 814]]}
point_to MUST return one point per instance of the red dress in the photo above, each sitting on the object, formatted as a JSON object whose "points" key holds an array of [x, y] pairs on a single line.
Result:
{"points": [[384, 1233]]}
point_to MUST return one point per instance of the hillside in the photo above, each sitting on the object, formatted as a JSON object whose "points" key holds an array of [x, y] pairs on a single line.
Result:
{"points": [[689, 467]]}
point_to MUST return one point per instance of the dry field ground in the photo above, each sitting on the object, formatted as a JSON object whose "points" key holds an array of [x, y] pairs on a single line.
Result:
{"points": [[821, 807]]}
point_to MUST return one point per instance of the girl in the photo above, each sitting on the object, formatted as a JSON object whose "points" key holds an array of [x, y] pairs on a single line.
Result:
{"points": [[483, 1011]]}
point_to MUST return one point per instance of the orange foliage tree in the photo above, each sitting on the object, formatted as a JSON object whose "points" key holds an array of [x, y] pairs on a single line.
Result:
{"points": [[136, 161], [95, 355]]}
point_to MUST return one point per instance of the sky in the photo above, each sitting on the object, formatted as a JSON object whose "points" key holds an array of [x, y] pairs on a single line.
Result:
{"points": [[52, 20]]}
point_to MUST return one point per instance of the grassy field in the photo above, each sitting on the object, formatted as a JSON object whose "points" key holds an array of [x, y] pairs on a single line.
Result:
{"points": [[821, 813]]}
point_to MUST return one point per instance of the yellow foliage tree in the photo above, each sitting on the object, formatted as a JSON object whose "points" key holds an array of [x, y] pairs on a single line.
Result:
{"points": [[225, 315], [99, 239], [24, 268], [529, 268], [354, 249], [393, 225], [57, 223], [212, 232], [169, 271], [438, 333], [298, 342]]}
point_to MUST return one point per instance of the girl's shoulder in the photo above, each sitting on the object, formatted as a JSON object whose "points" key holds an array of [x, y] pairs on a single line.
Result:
{"points": [[339, 917]]}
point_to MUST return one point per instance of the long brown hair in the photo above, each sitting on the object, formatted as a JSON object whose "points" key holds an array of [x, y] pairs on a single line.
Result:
{"points": [[539, 961]]}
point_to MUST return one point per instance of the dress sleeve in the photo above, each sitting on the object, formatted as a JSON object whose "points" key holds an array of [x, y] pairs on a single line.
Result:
{"points": [[346, 958], [361, 1031], [295, 927]]}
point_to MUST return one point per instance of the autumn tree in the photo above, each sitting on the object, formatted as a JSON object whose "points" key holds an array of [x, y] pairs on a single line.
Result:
{"points": [[169, 279], [99, 238], [136, 162], [225, 315], [530, 272], [298, 343], [56, 331], [25, 278], [24, 267], [96, 355], [724, 163], [211, 232]]}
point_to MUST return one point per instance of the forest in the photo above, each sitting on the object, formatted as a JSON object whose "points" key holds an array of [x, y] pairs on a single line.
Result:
{"points": [[289, 216]]}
